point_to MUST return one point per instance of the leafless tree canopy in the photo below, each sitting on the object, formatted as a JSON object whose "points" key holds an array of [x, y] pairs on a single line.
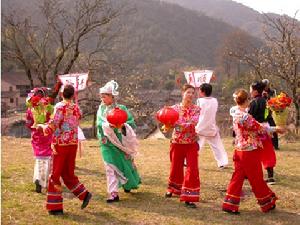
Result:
{"points": [[277, 59], [51, 41]]}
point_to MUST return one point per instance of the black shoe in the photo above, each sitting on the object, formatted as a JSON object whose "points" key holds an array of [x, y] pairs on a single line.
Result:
{"points": [[271, 181], [56, 212], [38, 187], [222, 167], [231, 211], [127, 191], [111, 200], [86, 200], [190, 205], [168, 194], [273, 207]]}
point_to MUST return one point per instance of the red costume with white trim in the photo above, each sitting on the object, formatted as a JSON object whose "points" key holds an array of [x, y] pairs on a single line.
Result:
{"points": [[64, 127], [184, 146], [247, 163]]}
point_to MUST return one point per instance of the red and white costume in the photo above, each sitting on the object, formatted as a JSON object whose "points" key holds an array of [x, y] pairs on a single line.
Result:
{"points": [[247, 163], [64, 127], [184, 146]]}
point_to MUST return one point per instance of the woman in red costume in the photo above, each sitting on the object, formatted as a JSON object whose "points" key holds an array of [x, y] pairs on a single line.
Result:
{"points": [[184, 146], [247, 162]]}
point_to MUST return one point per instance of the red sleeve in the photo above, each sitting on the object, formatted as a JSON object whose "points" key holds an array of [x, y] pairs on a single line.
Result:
{"points": [[29, 119]]}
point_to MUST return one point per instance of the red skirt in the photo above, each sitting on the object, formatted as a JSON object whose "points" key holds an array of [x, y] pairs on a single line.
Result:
{"points": [[267, 153]]}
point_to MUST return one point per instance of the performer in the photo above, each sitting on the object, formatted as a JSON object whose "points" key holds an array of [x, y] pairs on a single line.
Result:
{"points": [[246, 158], [267, 94], [39, 111], [118, 146], [64, 127], [206, 127], [183, 146], [257, 109], [81, 138]]}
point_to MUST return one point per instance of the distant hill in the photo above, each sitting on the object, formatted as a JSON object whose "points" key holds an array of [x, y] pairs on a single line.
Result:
{"points": [[229, 11], [159, 32]]}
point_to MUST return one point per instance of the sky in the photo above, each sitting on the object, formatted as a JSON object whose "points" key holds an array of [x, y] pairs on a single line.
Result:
{"points": [[288, 7]]}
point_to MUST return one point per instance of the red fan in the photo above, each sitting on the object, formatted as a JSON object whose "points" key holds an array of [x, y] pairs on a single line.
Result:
{"points": [[168, 116], [117, 117]]}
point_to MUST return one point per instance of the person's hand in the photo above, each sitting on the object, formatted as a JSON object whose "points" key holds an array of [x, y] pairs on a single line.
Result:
{"points": [[127, 156], [281, 130], [40, 128], [53, 150], [112, 126], [166, 129]]}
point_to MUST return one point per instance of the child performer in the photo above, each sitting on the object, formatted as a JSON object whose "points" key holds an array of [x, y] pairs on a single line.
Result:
{"points": [[39, 112], [206, 126], [64, 127], [81, 138], [257, 109], [246, 159], [118, 146], [183, 146]]}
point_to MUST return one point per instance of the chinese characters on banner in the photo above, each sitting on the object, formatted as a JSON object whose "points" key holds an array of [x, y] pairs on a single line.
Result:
{"points": [[81, 83], [198, 77]]}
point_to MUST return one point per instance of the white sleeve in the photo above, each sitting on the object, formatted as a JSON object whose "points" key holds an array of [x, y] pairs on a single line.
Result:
{"points": [[201, 125]]}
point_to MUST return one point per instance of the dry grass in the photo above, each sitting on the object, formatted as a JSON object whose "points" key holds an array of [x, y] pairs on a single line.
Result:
{"points": [[21, 205]]}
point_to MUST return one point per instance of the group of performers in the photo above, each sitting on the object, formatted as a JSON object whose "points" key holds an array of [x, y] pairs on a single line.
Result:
{"points": [[55, 143]]}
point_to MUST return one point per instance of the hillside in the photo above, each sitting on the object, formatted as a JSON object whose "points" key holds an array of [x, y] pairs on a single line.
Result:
{"points": [[229, 11], [158, 32]]}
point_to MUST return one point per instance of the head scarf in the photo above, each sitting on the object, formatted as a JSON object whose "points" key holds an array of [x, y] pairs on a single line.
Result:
{"points": [[110, 88]]}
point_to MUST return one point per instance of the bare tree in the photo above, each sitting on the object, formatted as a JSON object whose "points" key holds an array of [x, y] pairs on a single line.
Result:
{"points": [[59, 34], [278, 58], [239, 48]]}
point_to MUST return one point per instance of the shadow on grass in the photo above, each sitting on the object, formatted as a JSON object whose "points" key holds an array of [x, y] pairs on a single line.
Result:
{"points": [[84, 171], [290, 181], [155, 181], [89, 217], [277, 216], [207, 211]]}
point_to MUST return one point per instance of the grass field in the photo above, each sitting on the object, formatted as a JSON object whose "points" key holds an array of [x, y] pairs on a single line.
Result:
{"points": [[147, 205]]}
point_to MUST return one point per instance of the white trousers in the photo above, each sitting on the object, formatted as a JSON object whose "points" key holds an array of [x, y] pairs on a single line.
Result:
{"points": [[41, 170], [111, 180], [217, 147]]}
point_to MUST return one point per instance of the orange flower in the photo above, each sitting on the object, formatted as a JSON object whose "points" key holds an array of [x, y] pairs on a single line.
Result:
{"points": [[280, 102]]}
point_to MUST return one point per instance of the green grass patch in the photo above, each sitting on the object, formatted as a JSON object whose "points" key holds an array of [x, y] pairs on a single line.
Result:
{"points": [[147, 205]]}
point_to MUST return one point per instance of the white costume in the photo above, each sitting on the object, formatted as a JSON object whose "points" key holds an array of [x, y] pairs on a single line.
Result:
{"points": [[209, 131]]}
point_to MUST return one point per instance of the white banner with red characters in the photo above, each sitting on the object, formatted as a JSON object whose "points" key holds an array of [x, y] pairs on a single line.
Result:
{"points": [[78, 80], [198, 77]]}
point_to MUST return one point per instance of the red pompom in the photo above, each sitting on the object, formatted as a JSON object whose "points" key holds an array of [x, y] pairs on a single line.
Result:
{"points": [[117, 117], [167, 116]]}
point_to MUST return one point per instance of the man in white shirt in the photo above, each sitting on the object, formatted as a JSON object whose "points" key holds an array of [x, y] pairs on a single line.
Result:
{"points": [[207, 128]]}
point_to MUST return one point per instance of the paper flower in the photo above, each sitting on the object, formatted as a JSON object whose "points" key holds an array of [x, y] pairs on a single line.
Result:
{"points": [[279, 103]]}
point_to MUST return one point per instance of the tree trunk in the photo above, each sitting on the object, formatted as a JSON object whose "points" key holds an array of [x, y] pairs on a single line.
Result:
{"points": [[28, 73], [94, 124], [297, 115]]}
